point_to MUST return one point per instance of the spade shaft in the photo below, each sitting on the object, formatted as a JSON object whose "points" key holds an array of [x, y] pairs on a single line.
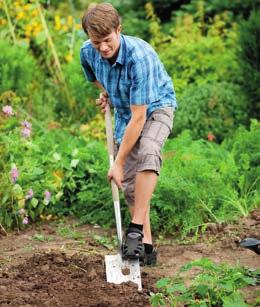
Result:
{"points": [[117, 269]]}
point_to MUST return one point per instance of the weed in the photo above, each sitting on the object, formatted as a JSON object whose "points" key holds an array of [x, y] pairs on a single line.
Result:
{"points": [[213, 285], [40, 237], [69, 233], [109, 243]]}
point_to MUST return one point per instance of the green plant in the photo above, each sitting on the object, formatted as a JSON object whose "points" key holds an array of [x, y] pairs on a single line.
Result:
{"points": [[212, 109], [213, 285], [197, 53], [108, 242], [244, 147], [236, 9], [249, 59], [203, 182], [82, 91], [42, 238], [69, 233], [18, 69]]}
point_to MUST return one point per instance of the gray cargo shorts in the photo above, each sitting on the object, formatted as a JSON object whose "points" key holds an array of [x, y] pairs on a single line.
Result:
{"points": [[146, 153]]}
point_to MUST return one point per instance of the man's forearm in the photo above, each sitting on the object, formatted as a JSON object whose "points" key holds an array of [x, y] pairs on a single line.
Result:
{"points": [[99, 85], [132, 133]]}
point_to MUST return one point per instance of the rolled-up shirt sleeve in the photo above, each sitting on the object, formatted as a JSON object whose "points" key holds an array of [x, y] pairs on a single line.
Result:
{"points": [[144, 74], [88, 72]]}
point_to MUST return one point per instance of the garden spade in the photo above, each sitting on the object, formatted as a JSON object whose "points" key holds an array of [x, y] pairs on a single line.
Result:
{"points": [[118, 270]]}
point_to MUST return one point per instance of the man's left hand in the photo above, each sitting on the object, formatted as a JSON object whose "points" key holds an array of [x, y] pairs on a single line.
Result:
{"points": [[116, 173]]}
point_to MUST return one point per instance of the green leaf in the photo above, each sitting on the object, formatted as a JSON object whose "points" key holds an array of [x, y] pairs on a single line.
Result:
{"points": [[34, 202], [177, 288], [202, 290], [163, 282], [234, 300], [32, 214], [74, 163], [41, 38], [17, 190], [56, 156]]}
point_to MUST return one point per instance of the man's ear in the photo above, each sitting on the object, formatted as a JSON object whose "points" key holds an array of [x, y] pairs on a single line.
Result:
{"points": [[119, 29]]}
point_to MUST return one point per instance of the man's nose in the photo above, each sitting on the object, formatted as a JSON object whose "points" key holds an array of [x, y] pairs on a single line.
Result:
{"points": [[103, 47]]}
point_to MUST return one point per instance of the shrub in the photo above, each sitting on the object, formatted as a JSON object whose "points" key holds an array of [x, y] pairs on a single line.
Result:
{"points": [[215, 108], [244, 146], [81, 90], [53, 172], [249, 59], [213, 7], [196, 53], [202, 182], [18, 69]]}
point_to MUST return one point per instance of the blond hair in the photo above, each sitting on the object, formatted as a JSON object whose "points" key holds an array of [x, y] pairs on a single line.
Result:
{"points": [[100, 20]]}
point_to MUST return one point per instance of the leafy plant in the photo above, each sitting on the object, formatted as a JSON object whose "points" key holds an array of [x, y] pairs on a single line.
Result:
{"points": [[249, 59], [203, 182], [40, 237], [195, 52], [109, 243], [212, 109], [213, 285], [69, 233], [244, 147], [18, 69]]}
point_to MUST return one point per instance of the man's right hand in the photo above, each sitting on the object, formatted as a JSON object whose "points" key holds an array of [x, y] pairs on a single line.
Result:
{"points": [[102, 101]]}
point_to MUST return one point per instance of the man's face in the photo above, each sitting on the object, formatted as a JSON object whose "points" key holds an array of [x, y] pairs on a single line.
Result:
{"points": [[107, 46]]}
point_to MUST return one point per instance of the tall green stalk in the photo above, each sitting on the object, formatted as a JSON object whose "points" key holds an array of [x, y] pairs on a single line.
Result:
{"points": [[11, 27]]}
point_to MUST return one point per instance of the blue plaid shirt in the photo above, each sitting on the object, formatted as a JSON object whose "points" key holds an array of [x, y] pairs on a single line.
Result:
{"points": [[136, 78]]}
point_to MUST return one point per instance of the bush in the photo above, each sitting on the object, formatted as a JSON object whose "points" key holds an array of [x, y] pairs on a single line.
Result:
{"points": [[196, 53], [249, 59], [22, 82], [238, 9], [244, 146], [18, 69], [81, 90], [213, 108], [53, 172], [202, 182]]}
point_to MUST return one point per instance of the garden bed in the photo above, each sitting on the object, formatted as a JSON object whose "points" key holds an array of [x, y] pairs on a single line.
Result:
{"points": [[55, 264]]}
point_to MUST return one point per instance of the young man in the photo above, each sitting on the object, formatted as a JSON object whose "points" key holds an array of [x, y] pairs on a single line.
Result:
{"points": [[130, 76]]}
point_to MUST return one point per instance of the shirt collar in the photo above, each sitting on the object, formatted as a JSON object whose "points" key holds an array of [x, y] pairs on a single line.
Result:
{"points": [[121, 54]]}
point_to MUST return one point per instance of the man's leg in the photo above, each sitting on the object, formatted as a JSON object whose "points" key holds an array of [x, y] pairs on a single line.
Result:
{"points": [[147, 227], [145, 183], [147, 167]]}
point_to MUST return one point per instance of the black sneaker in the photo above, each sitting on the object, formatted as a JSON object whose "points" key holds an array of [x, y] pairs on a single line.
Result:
{"points": [[149, 259], [133, 247]]}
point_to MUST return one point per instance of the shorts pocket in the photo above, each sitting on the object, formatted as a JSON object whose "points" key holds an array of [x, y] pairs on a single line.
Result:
{"points": [[157, 127]]}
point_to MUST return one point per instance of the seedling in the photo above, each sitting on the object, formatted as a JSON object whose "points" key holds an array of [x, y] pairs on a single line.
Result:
{"points": [[213, 285]]}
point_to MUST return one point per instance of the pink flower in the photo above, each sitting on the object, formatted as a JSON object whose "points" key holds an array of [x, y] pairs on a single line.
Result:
{"points": [[26, 124], [47, 195], [25, 220], [29, 194], [8, 110], [26, 133], [14, 174], [21, 211]]}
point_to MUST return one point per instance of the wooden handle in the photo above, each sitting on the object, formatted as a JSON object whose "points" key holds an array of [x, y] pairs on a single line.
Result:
{"points": [[110, 147]]}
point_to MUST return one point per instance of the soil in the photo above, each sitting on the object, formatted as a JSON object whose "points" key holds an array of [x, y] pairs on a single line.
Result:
{"points": [[57, 263]]}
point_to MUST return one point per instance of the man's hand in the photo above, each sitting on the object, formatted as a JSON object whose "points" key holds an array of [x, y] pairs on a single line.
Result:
{"points": [[116, 173], [102, 101]]}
